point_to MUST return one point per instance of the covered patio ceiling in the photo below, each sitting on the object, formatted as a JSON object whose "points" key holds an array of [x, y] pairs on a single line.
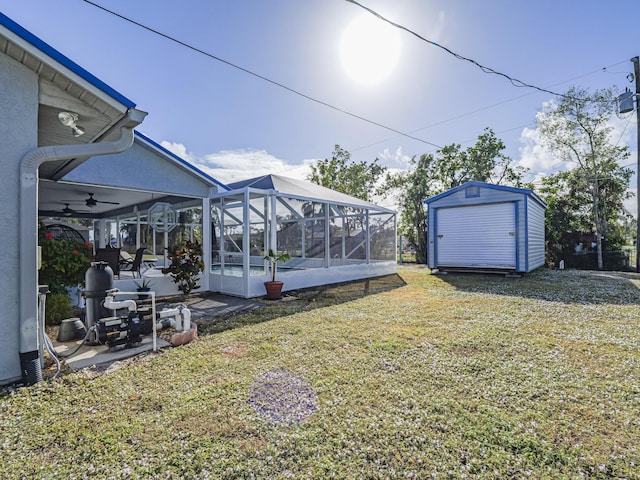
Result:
{"points": [[55, 197]]}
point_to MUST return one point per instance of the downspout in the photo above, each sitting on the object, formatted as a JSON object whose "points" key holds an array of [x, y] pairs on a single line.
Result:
{"points": [[28, 233]]}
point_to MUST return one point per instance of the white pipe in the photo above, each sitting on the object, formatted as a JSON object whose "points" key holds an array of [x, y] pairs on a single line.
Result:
{"points": [[186, 319], [28, 232], [110, 303], [181, 314]]}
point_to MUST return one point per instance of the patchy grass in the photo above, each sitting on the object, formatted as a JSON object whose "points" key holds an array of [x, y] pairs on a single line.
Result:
{"points": [[458, 376]]}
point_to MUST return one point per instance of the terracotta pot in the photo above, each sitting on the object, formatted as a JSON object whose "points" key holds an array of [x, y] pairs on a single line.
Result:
{"points": [[274, 290]]}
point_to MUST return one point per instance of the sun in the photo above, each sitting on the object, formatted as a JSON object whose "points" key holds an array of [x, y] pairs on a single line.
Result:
{"points": [[369, 50]]}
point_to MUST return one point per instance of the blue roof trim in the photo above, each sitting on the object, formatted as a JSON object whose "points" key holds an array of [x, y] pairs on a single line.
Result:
{"points": [[504, 188], [181, 161], [60, 58]]}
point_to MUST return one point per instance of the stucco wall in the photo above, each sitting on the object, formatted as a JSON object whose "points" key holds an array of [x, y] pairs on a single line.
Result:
{"points": [[139, 168], [18, 135]]}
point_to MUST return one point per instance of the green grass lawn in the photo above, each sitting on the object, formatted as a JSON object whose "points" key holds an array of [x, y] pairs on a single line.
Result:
{"points": [[419, 376]]}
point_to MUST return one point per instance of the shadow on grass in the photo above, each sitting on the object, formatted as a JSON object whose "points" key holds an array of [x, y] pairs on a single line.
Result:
{"points": [[565, 286], [298, 301]]}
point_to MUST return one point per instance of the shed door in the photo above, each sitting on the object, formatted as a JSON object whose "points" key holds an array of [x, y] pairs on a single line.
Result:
{"points": [[477, 236]]}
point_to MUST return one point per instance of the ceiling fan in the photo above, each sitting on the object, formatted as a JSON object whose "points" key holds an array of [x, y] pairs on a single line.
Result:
{"points": [[67, 211], [92, 202]]}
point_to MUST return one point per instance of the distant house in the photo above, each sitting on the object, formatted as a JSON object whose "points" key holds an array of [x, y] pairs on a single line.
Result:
{"points": [[480, 226]]}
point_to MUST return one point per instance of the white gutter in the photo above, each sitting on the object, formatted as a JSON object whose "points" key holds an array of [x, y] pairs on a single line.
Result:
{"points": [[28, 230]]}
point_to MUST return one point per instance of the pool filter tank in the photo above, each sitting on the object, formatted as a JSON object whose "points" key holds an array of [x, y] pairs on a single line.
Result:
{"points": [[98, 280]]}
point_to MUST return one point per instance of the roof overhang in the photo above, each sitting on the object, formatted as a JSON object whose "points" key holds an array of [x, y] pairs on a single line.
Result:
{"points": [[64, 86]]}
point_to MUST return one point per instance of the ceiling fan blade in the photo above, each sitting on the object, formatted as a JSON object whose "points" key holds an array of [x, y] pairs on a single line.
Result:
{"points": [[92, 202]]}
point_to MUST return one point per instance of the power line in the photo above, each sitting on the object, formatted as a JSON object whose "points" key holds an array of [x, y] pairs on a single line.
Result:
{"points": [[514, 81], [487, 107], [261, 77]]}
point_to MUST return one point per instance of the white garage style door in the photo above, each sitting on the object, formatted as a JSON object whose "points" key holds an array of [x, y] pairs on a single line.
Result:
{"points": [[477, 236]]}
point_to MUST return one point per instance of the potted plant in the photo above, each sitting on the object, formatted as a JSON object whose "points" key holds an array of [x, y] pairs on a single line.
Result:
{"points": [[274, 288], [143, 286]]}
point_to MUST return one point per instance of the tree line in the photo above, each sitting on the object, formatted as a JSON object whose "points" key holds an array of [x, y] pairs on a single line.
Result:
{"points": [[586, 197]]}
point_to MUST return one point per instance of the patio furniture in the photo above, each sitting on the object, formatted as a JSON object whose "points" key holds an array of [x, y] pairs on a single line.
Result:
{"points": [[126, 260], [110, 256], [137, 262]]}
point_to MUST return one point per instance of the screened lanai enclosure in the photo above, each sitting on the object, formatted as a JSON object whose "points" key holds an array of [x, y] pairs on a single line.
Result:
{"points": [[331, 237]]}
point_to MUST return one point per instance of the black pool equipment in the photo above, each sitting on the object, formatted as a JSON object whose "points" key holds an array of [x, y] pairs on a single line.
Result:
{"points": [[124, 330], [98, 280]]}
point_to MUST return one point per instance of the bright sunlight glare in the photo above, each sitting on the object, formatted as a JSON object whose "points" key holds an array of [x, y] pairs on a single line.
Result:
{"points": [[369, 50]]}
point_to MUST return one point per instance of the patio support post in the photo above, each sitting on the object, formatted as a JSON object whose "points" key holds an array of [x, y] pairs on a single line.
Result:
{"points": [[367, 237], [206, 242], [28, 230], [273, 227], [100, 224], [138, 229], [246, 241], [327, 240]]}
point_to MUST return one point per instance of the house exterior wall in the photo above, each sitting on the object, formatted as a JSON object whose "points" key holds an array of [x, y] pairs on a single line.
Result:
{"points": [[18, 135], [139, 168], [529, 220]]}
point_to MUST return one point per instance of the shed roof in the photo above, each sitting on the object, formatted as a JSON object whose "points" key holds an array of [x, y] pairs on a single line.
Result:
{"points": [[300, 188], [504, 188]]}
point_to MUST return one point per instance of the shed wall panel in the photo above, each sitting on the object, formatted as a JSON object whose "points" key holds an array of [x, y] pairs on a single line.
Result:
{"points": [[535, 236]]}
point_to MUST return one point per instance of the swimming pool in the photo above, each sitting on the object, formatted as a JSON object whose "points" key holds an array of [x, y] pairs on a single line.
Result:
{"points": [[235, 270]]}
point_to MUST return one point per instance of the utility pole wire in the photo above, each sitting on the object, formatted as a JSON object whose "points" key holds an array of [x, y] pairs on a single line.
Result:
{"points": [[514, 81], [261, 77]]}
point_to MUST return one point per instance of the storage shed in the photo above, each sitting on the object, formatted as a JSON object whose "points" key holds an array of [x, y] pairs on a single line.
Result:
{"points": [[480, 226]]}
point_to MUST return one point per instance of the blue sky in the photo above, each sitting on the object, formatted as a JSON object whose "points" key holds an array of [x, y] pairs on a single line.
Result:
{"points": [[234, 125]]}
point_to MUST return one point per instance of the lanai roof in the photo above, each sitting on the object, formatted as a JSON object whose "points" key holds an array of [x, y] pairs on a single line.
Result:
{"points": [[301, 189]]}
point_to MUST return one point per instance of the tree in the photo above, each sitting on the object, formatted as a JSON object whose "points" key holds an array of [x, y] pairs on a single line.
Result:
{"points": [[412, 188], [340, 173], [577, 130], [448, 168], [483, 162]]}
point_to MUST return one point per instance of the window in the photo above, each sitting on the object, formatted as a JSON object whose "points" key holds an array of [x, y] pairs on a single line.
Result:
{"points": [[472, 191]]}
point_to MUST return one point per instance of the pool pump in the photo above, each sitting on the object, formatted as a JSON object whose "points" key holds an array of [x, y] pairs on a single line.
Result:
{"points": [[126, 330]]}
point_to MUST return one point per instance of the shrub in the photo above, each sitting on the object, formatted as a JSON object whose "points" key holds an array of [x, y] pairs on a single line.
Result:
{"points": [[64, 262], [58, 307], [186, 266]]}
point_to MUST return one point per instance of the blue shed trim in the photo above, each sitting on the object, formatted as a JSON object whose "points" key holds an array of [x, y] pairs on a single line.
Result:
{"points": [[60, 58], [504, 188], [183, 162], [435, 237]]}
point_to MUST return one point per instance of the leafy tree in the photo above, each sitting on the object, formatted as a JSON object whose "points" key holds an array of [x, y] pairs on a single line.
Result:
{"points": [[483, 162], [412, 188], [448, 168], [577, 129], [340, 173]]}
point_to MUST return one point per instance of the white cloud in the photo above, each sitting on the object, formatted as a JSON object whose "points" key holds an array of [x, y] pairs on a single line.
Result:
{"points": [[395, 160], [535, 156], [230, 166]]}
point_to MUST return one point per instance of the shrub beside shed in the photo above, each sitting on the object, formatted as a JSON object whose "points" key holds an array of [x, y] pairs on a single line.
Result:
{"points": [[481, 226]]}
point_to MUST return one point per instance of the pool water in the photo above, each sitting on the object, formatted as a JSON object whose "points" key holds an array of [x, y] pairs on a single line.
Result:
{"points": [[236, 270]]}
